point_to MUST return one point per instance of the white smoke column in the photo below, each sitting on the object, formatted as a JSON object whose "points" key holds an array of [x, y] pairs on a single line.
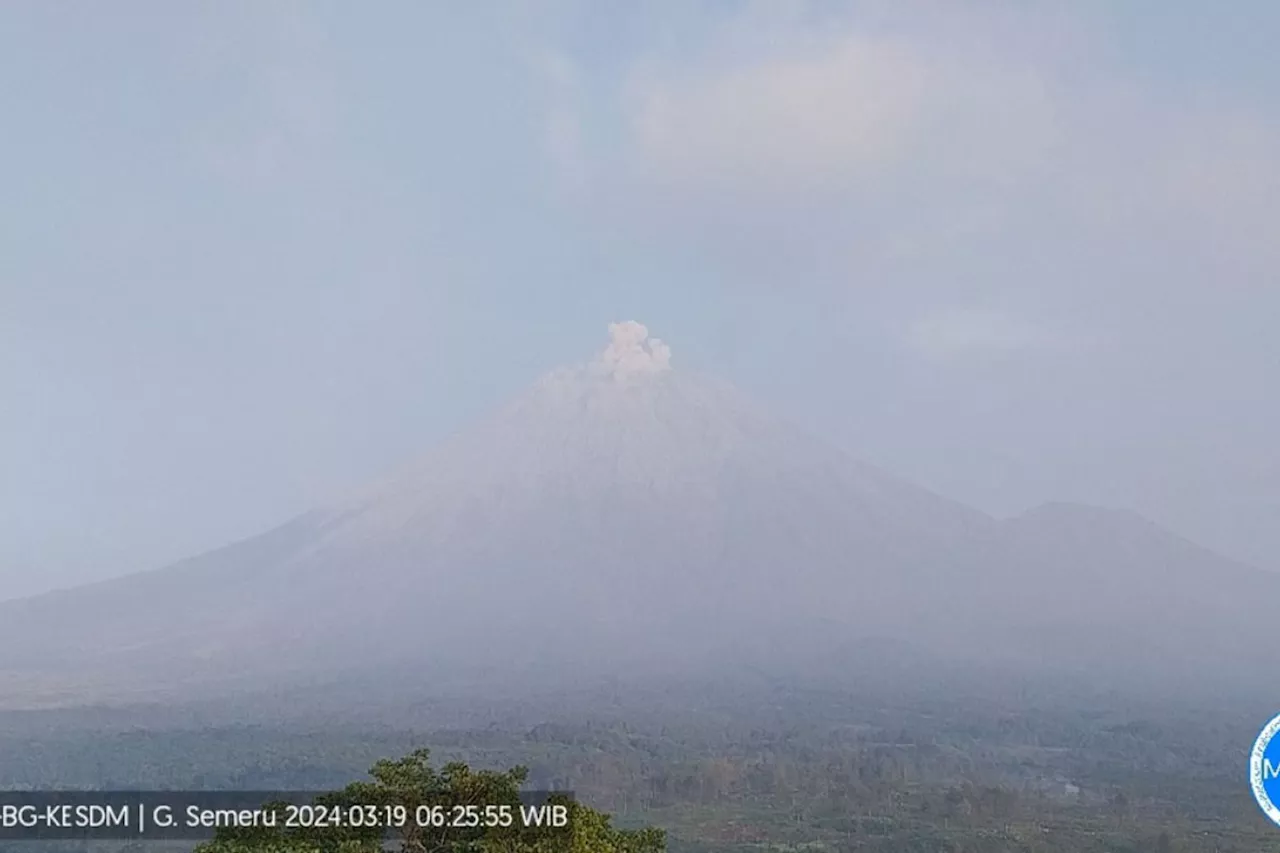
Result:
{"points": [[631, 350]]}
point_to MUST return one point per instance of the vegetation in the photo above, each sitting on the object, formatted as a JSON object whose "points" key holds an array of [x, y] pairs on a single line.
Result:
{"points": [[474, 811], [769, 770]]}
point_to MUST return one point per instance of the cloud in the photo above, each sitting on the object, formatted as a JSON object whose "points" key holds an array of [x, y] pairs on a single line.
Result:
{"points": [[787, 140], [837, 110], [797, 121], [631, 350], [959, 332]]}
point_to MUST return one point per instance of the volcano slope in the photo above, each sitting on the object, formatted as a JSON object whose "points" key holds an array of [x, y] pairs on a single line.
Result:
{"points": [[627, 516]]}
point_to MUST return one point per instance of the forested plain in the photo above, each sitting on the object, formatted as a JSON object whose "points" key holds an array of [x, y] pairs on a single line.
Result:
{"points": [[774, 766]]}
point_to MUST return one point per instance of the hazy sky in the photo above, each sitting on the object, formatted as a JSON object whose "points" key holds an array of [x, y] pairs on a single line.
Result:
{"points": [[254, 253]]}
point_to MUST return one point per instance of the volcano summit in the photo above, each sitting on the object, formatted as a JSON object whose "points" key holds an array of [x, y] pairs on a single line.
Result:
{"points": [[626, 514]]}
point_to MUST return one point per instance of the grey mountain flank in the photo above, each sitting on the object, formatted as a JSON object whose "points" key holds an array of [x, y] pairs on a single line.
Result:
{"points": [[626, 514]]}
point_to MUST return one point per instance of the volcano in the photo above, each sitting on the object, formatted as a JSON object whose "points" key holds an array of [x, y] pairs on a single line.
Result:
{"points": [[626, 514]]}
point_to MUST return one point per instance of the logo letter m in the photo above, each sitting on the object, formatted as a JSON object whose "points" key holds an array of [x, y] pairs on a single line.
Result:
{"points": [[1269, 770]]}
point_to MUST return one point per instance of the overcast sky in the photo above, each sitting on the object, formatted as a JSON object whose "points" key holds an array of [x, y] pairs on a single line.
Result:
{"points": [[254, 253]]}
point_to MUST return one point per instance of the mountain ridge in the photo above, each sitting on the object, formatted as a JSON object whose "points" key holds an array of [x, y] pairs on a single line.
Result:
{"points": [[622, 513]]}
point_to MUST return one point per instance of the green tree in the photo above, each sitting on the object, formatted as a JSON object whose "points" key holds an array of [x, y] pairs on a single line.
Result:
{"points": [[466, 811]]}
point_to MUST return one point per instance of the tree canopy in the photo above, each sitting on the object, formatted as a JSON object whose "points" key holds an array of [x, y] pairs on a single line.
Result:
{"points": [[451, 810]]}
